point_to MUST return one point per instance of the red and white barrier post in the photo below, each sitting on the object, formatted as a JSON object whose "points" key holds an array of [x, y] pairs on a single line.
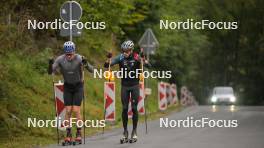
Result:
{"points": [[168, 94], [162, 96], [141, 99], [61, 111], [189, 101], [109, 101], [174, 94], [184, 96]]}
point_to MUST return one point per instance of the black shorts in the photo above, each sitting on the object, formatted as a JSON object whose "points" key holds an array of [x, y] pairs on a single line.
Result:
{"points": [[73, 94]]}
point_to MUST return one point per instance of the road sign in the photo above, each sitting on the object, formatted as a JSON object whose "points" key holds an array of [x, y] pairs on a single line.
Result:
{"points": [[70, 10], [149, 42]]}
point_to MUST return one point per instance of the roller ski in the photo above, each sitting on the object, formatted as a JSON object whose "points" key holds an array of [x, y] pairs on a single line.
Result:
{"points": [[124, 139], [78, 139], [133, 138], [67, 141]]}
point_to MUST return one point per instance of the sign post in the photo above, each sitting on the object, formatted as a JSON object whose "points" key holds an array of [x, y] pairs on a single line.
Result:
{"points": [[149, 42], [71, 12]]}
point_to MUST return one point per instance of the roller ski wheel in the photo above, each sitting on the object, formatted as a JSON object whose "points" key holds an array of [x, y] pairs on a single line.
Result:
{"points": [[77, 141], [134, 137], [132, 140], [124, 139], [67, 141]]}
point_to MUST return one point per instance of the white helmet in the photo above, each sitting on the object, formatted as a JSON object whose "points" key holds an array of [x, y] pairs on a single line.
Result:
{"points": [[127, 45]]}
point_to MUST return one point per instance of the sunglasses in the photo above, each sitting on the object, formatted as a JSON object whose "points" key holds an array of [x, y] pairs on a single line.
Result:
{"points": [[128, 51], [69, 54]]}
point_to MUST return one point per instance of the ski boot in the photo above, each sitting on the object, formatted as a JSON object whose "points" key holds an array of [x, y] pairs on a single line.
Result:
{"points": [[68, 139], [133, 137], [124, 139], [78, 139]]}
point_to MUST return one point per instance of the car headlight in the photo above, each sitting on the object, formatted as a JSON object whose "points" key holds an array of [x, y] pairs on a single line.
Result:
{"points": [[233, 99], [213, 99]]}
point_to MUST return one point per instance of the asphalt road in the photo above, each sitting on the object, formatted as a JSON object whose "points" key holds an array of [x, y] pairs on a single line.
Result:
{"points": [[248, 134]]}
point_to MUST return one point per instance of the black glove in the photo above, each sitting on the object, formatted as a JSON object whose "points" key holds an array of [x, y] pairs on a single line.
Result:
{"points": [[84, 60], [106, 64], [51, 61], [142, 55], [109, 55]]}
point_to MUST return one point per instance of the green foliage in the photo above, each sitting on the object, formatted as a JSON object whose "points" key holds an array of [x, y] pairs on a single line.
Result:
{"points": [[234, 57]]}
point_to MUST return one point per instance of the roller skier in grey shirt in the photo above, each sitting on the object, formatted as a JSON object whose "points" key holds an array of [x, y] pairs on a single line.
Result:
{"points": [[71, 65]]}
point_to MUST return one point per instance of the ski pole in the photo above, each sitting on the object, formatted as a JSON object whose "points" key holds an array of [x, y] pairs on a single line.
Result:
{"points": [[145, 96], [145, 114], [56, 110], [83, 105], [109, 69]]}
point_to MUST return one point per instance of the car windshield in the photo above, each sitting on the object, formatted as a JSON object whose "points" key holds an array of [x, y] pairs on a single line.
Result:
{"points": [[223, 90]]}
